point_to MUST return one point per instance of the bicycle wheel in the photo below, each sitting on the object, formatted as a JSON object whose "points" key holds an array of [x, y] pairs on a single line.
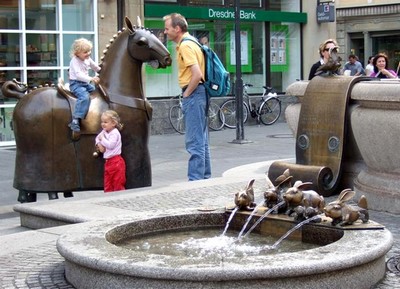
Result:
{"points": [[176, 118], [216, 120], [228, 109], [270, 110]]}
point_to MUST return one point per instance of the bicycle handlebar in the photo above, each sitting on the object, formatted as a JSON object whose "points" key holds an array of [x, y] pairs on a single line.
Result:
{"points": [[268, 89], [177, 96]]}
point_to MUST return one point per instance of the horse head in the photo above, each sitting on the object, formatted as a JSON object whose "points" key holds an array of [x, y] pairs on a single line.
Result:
{"points": [[143, 45]]}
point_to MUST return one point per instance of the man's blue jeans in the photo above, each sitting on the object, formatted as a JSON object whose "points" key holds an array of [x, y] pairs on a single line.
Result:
{"points": [[196, 134], [81, 90]]}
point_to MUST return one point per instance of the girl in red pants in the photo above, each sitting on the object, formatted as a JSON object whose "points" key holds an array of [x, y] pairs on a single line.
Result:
{"points": [[108, 141]]}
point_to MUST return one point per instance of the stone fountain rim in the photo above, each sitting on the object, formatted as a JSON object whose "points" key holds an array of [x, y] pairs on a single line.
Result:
{"points": [[388, 89], [87, 247]]}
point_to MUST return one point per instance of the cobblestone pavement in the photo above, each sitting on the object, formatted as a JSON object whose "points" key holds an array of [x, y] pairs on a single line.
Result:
{"points": [[35, 267]]}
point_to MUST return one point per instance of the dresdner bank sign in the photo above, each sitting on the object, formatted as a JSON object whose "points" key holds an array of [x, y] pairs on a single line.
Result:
{"points": [[227, 14]]}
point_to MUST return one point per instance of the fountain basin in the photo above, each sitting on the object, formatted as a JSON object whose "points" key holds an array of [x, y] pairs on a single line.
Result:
{"points": [[354, 259]]}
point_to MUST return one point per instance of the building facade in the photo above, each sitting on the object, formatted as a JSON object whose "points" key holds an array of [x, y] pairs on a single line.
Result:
{"points": [[361, 27], [367, 30], [270, 37]]}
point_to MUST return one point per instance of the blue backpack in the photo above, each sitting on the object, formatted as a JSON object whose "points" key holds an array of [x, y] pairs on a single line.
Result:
{"points": [[217, 81]]}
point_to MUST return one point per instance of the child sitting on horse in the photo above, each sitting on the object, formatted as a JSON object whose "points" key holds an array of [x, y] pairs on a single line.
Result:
{"points": [[80, 83]]}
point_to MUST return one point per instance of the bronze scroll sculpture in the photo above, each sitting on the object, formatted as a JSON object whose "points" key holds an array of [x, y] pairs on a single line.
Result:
{"points": [[48, 160], [324, 143], [322, 139]]}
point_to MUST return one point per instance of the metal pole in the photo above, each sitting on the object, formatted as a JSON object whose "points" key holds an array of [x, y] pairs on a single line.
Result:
{"points": [[239, 81], [120, 14]]}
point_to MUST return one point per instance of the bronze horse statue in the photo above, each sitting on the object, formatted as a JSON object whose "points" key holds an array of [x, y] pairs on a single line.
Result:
{"points": [[48, 158]]}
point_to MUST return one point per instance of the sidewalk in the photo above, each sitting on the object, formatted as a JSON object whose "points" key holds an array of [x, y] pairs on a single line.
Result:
{"points": [[29, 258]]}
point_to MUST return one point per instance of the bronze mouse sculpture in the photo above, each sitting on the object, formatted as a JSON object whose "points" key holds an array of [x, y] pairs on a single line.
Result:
{"points": [[274, 194], [302, 213], [346, 214], [244, 199], [300, 195]]}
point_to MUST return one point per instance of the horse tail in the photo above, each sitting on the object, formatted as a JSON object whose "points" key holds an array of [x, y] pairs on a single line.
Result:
{"points": [[14, 89]]}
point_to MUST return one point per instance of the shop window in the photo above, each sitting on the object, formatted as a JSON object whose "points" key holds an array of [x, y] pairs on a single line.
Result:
{"points": [[35, 50], [9, 50], [40, 15], [9, 14], [390, 46], [6, 124], [77, 15], [172, 1], [247, 3], [205, 3], [42, 54]]}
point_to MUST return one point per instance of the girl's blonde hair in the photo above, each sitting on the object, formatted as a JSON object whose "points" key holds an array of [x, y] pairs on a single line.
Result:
{"points": [[79, 45], [115, 117]]}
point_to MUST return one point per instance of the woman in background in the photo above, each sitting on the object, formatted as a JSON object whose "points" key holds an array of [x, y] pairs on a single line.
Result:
{"points": [[369, 68], [381, 70]]}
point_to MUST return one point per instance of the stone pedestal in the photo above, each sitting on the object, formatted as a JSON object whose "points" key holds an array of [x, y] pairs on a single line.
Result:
{"points": [[376, 127]]}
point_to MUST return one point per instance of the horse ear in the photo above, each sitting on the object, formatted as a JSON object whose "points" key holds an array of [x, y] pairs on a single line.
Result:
{"points": [[129, 24], [139, 22]]}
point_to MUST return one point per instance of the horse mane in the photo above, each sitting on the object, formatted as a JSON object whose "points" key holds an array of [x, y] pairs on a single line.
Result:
{"points": [[115, 36], [110, 42]]}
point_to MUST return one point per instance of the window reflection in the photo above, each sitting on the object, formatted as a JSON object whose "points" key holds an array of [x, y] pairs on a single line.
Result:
{"points": [[42, 77], [77, 15], [9, 49], [9, 15], [40, 15]]}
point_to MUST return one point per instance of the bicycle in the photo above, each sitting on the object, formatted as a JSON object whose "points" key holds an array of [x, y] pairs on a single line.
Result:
{"points": [[216, 120], [268, 111]]}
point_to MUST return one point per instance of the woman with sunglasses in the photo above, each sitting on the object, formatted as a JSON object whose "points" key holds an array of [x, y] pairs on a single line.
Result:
{"points": [[324, 54]]}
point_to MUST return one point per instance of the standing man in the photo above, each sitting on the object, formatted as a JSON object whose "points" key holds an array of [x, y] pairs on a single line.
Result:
{"points": [[191, 67]]}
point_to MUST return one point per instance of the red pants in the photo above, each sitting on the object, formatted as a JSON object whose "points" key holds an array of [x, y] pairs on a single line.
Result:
{"points": [[114, 174]]}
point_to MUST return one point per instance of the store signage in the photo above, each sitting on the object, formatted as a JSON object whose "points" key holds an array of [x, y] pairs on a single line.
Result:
{"points": [[158, 11], [227, 14], [325, 13]]}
